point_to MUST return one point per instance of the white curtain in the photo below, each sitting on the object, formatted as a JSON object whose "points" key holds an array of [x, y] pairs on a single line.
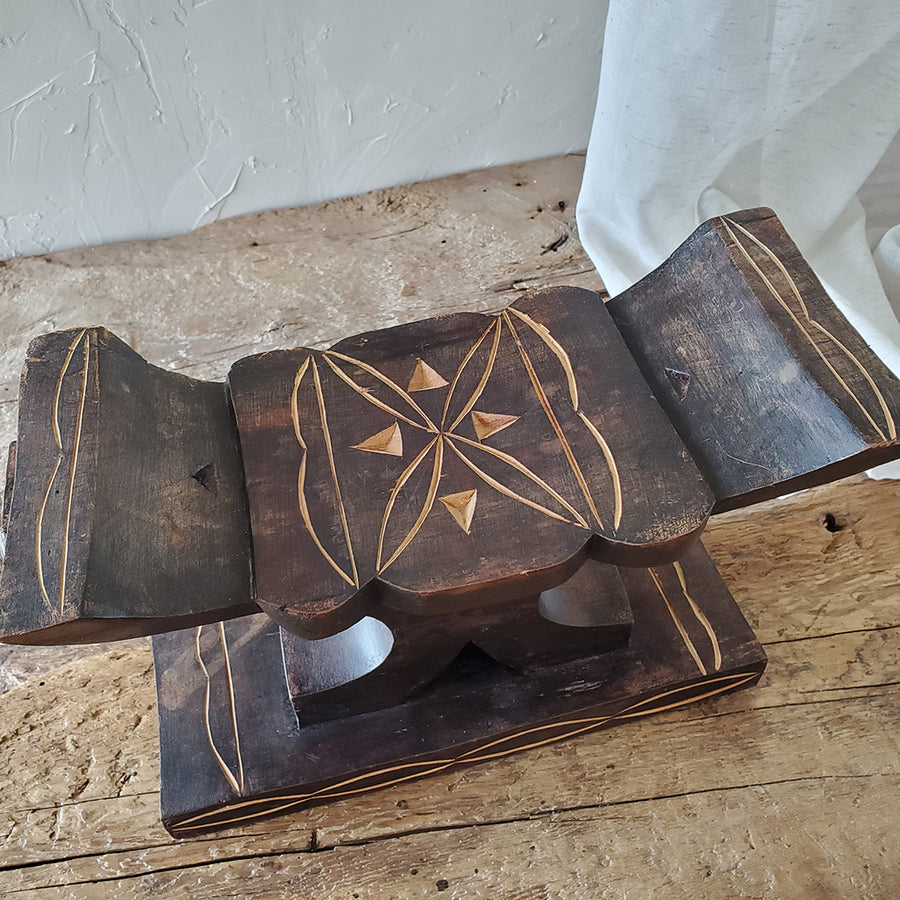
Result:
{"points": [[707, 106]]}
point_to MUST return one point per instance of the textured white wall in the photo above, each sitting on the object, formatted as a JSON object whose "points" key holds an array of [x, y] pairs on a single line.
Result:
{"points": [[144, 118]]}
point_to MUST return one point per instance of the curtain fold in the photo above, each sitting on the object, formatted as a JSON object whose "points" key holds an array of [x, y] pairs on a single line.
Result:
{"points": [[706, 107]]}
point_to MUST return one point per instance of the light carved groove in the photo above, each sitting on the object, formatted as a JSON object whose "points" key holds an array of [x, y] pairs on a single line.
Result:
{"points": [[84, 337], [429, 501], [329, 449], [307, 521], [519, 467], [543, 735], [882, 402], [301, 476], [543, 332], [375, 401], [479, 389], [404, 477], [465, 361], [38, 534], [700, 616], [618, 499], [76, 444], [554, 422], [235, 781], [371, 370], [295, 409]]}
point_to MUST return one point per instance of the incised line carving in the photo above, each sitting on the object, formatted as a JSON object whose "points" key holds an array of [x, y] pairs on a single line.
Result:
{"points": [[84, 338], [389, 441], [235, 780], [890, 425], [414, 770]]}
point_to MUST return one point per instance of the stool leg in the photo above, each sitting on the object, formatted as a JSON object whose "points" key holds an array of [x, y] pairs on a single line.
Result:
{"points": [[381, 662]]}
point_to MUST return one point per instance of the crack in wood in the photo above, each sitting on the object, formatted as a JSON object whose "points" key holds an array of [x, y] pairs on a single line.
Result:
{"points": [[152, 872], [315, 844], [831, 634], [73, 803], [855, 687], [788, 705]]}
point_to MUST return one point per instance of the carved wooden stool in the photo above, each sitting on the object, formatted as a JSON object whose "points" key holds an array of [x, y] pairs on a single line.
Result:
{"points": [[439, 543]]}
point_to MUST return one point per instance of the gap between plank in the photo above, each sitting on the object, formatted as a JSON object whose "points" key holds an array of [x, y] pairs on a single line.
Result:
{"points": [[315, 846]]}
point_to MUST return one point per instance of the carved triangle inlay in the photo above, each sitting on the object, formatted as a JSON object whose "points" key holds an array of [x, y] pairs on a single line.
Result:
{"points": [[486, 424], [424, 378], [389, 441], [462, 507]]}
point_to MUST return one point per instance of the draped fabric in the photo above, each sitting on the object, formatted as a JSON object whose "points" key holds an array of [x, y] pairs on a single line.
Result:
{"points": [[707, 107]]}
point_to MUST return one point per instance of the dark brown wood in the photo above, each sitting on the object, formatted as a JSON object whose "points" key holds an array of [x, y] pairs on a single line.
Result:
{"points": [[439, 466], [128, 514], [433, 509], [232, 748], [382, 662], [8, 488], [445, 464], [768, 385]]}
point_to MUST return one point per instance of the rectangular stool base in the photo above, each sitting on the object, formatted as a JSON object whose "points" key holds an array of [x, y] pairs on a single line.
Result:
{"points": [[232, 749]]}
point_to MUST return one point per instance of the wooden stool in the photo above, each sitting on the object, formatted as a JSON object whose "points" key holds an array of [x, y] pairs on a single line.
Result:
{"points": [[438, 543]]}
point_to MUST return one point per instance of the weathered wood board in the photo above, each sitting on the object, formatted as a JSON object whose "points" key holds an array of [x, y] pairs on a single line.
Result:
{"points": [[776, 791], [785, 790]]}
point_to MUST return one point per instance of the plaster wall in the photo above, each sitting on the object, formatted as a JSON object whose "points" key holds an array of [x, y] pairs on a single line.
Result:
{"points": [[128, 119]]}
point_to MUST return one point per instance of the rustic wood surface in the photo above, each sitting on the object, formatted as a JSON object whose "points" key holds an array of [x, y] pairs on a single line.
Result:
{"points": [[790, 789]]}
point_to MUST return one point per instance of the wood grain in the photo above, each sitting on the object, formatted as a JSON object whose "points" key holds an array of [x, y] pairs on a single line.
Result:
{"points": [[768, 385], [825, 715], [574, 458], [128, 513], [770, 755], [789, 804]]}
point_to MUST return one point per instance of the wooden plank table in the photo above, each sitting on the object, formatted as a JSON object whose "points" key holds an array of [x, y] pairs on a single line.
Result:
{"points": [[789, 789]]}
